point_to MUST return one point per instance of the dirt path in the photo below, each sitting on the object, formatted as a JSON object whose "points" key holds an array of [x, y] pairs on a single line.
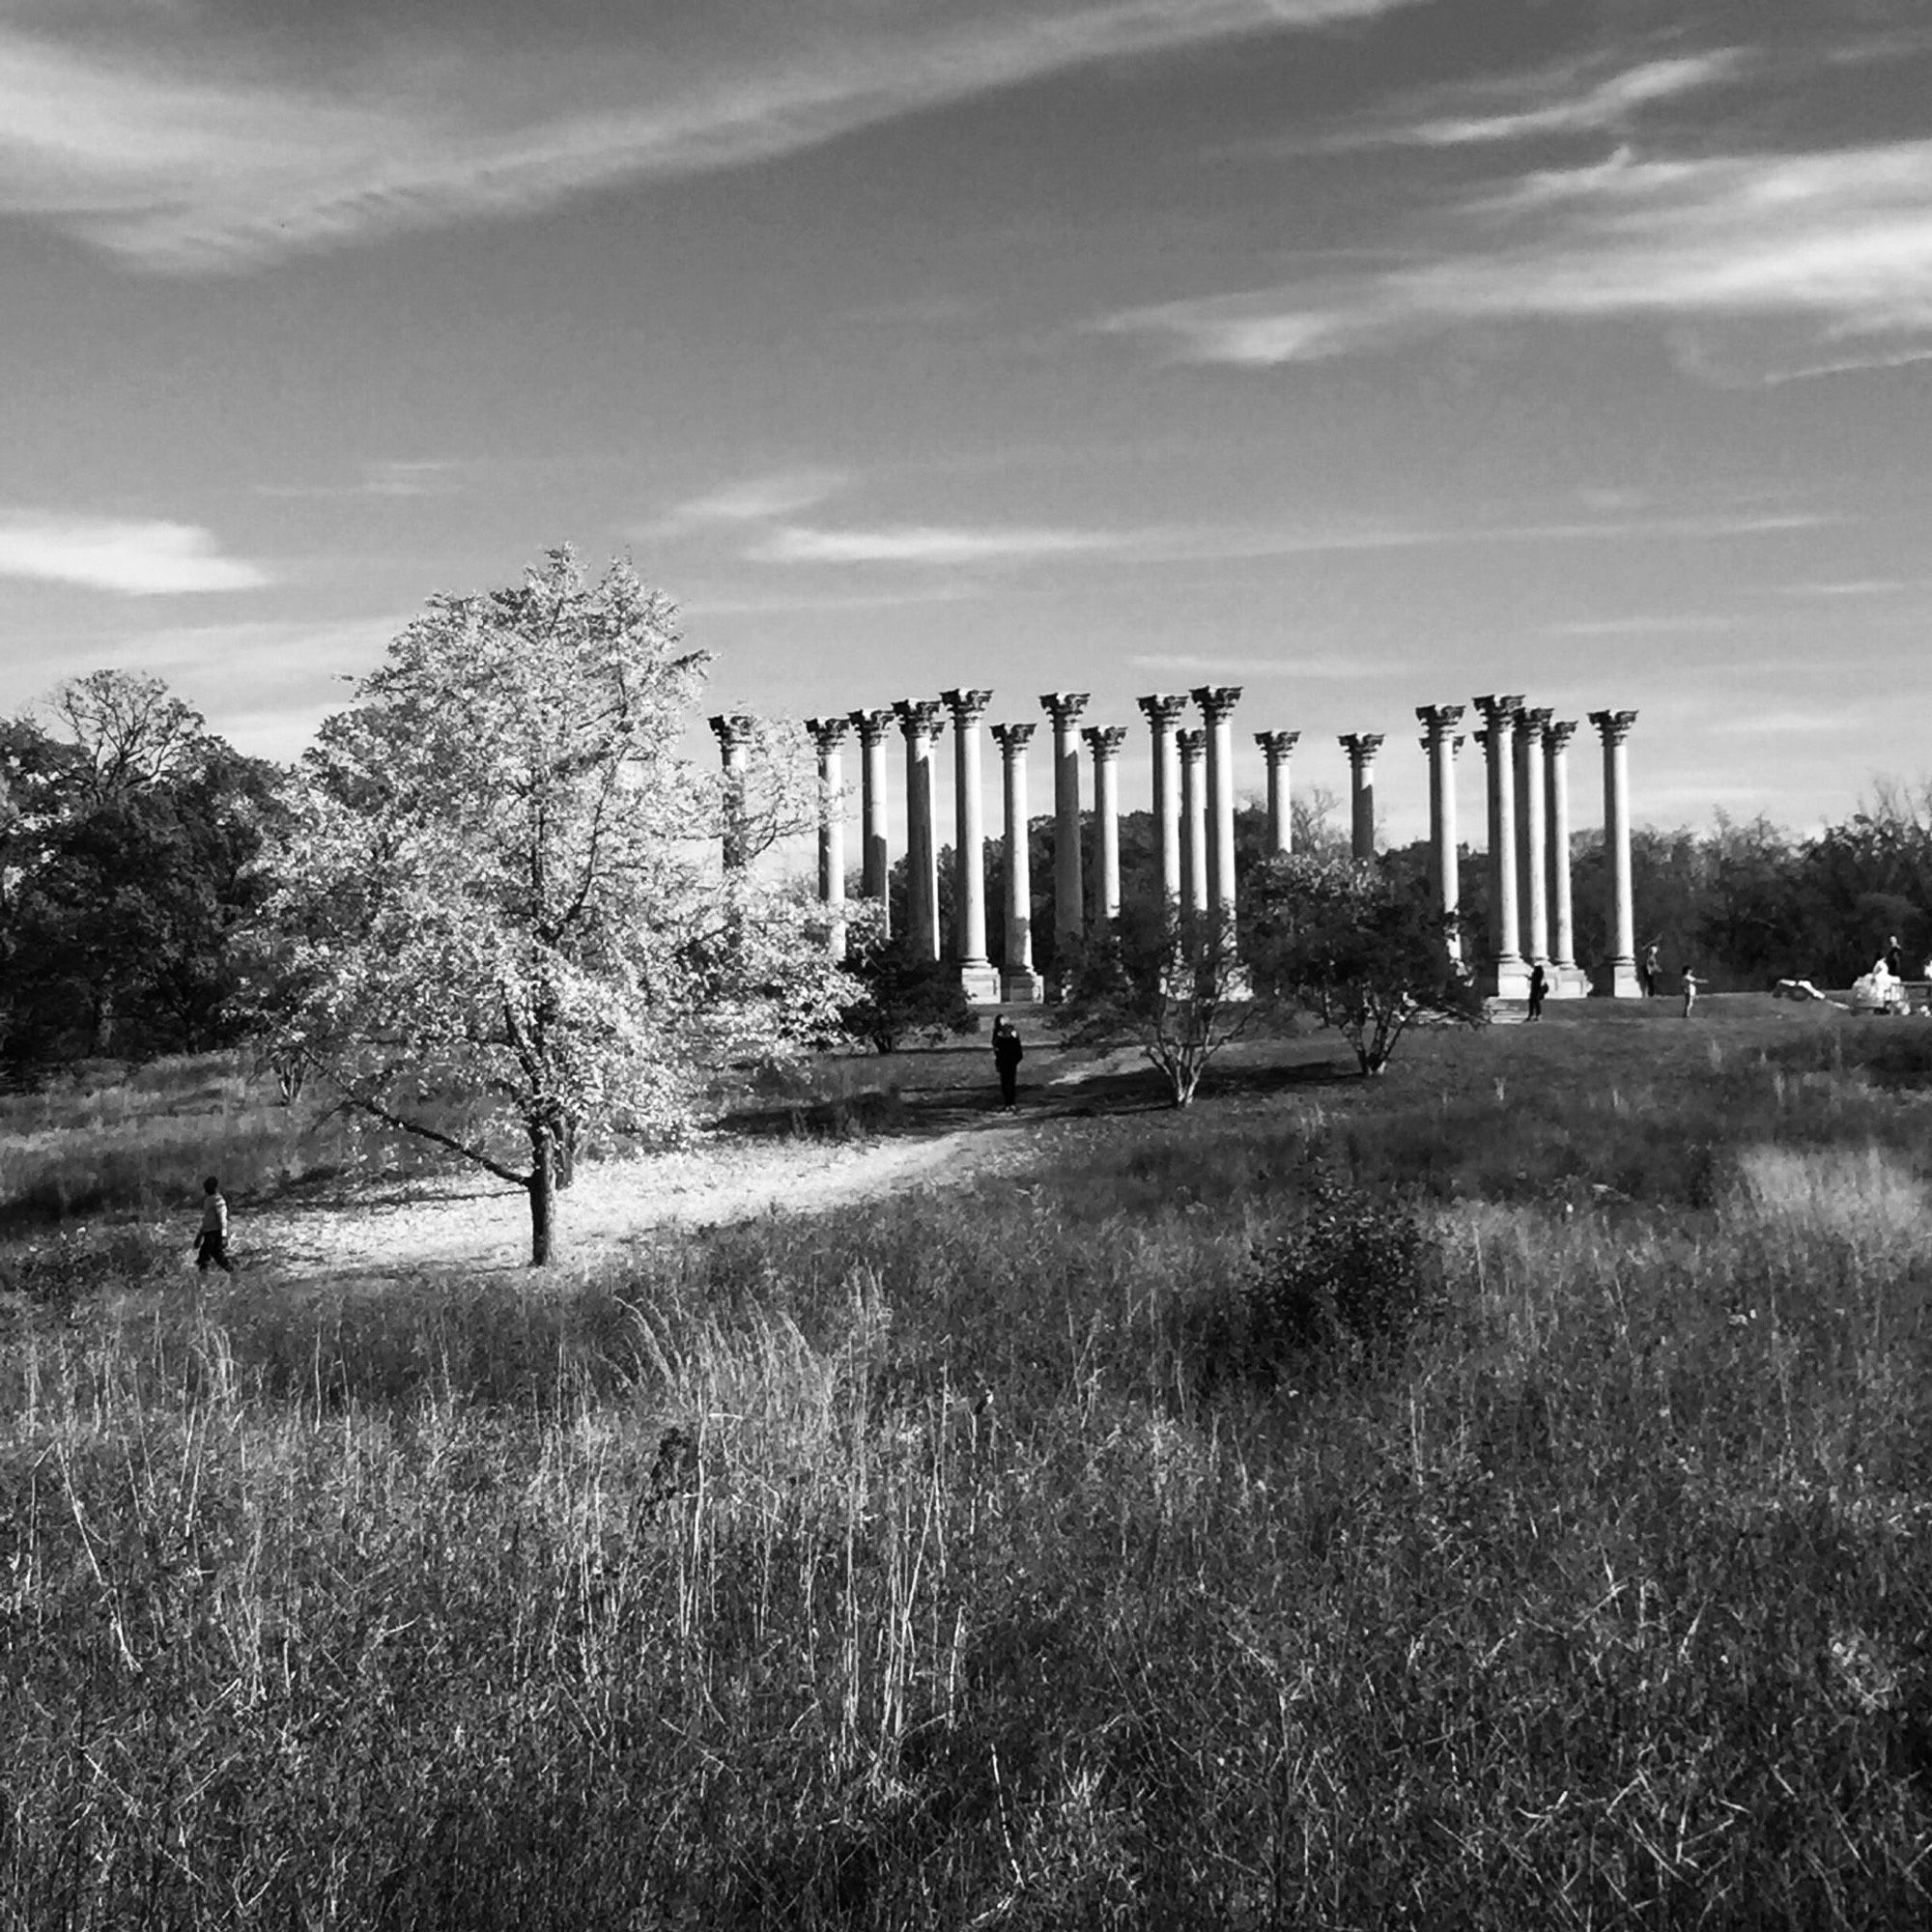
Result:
{"points": [[475, 1223]]}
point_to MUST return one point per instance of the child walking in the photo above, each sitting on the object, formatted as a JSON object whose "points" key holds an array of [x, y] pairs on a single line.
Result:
{"points": [[212, 1243]]}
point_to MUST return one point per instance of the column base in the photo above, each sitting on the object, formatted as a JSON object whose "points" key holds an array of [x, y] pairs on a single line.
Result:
{"points": [[1503, 978], [1569, 983], [979, 982], [1021, 988], [1618, 981]]}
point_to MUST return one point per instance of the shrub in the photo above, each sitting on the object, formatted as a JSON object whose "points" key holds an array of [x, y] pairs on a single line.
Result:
{"points": [[1345, 1284]]}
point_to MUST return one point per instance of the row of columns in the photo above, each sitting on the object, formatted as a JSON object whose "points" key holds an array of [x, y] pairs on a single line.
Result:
{"points": [[1530, 919]]}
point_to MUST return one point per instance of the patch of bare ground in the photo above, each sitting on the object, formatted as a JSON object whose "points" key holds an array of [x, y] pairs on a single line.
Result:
{"points": [[473, 1223]]}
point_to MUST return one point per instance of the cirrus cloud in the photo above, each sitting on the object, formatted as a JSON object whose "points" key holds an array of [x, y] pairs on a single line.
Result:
{"points": [[138, 559]]}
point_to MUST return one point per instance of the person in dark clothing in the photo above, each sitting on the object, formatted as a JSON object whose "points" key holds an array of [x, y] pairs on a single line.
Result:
{"points": [[1539, 990], [1650, 972], [1008, 1050], [1895, 957], [212, 1243]]}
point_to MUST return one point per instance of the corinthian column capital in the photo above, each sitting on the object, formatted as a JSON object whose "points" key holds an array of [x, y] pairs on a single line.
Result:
{"points": [[1532, 724], [1615, 726], [1500, 710], [1556, 734], [1163, 709], [734, 733], [919, 717], [967, 707], [871, 725], [828, 733], [1104, 741], [1277, 745], [1064, 706], [1217, 701], [1014, 738], [1361, 747], [1438, 719]]}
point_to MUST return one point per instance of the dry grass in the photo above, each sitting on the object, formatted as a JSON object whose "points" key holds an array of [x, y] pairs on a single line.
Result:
{"points": [[995, 1593]]}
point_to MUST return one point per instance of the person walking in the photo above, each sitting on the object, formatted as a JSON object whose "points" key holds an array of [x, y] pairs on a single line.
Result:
{"points": [[1539, 990], [211, 1244], [1691, 986], [1008, 1050]]}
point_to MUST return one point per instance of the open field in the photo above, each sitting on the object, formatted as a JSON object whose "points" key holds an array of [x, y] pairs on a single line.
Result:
{"points": [[1493, 1495]]}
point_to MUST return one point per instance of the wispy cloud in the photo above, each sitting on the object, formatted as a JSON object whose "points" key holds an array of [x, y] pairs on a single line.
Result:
{"points": [[754, 499], [144, 560], [437, 477], [1566, 108], [195, 158], [1685, 624], [928, 543], [1839, 241], [1850, 587]]}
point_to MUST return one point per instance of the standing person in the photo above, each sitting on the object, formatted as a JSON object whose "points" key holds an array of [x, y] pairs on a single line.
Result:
{"points": [[1008, 1050], [1691, 984], [1650, 972], [212, 1243], [1539, 990], [1895, 957]]}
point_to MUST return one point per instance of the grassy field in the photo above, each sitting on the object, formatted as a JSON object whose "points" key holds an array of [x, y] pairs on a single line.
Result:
{"points": [[1495, 1496]]}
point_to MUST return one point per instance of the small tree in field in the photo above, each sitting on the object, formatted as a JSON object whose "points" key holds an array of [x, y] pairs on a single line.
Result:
{"points": [[501, 886], [1352, 945], [1172, 984]]}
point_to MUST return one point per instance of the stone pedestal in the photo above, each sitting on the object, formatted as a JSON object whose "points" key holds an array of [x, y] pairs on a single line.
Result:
{"points": [[1065, 708], [828, 734], [1163, 713], [918, 721], [976, 975], [1019, 983], [1445, 883], [1505, 975], [1276, 749], [1620, 979], [1361, 748], [875, 851]]}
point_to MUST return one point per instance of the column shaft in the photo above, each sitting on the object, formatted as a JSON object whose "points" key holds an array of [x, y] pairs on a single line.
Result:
{"points": [[1506, 976], [829, 735], [1217, 710], [981, 982], [1104, 742], [1532, 828], [1065, 708], [1018, 981], [874, 847], [734, 743], [1193, 748], [1444, 866], [918, 719], [1615, 727], [1361, 748], [1276, 746], [1566, 979], [1163, 710]]}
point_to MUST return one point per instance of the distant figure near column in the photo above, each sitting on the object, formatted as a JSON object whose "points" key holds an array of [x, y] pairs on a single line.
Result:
{"points": [[918, 721], [1276, 749], [1361, 748], [1065, 708], [977, 977], [1532, 828], [1567, 981], [1193, 748], [1439, 741], [875, 851], [1217, 703], [1104, 743], [735, 740], [1018, 981], [1163, 713], [1505, 973], [1616, 730], [829, 735]]}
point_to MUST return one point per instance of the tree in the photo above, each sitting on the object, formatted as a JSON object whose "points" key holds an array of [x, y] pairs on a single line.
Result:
{"points": [[1351, 942], [502, 922], [1172, 984], [900, 995]]}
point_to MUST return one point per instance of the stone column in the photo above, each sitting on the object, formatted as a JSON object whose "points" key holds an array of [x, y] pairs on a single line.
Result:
{"points": [[1615, 727], [1104, 742], [1193, 748], [1567, 981], [981, 985], [874, 852], [1439, 741], [1217, 703], [1276, 746], [918, 719], [829, 735], [1361, 748], [1065, 708], [734, 742], [1505, 975], [1018, 981], [1162, 710], [1532, 842]]}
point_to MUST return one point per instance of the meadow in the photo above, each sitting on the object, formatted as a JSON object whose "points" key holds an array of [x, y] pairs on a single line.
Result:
{"points": [[1492, 1495]]}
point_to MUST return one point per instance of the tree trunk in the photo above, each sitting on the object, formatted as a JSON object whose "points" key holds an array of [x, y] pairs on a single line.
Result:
{"points": [[543, 1191]]}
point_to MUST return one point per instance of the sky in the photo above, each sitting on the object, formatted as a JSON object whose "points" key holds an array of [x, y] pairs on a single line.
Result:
{"points": [[1365, 353]]}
